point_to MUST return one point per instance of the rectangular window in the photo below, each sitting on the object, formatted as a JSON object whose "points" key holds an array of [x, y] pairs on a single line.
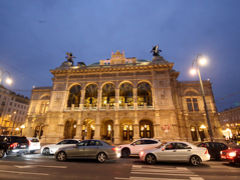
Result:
{"points": [[192, 104], [195, 104], [189, 104]]}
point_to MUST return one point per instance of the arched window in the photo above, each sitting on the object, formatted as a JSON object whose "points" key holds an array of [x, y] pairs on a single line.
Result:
{"points": [[91, 95], [108, 130], [126, 94], [146, 129], [108, 94], [70, 129], [144, 94], [74, 96], [194, 134]]}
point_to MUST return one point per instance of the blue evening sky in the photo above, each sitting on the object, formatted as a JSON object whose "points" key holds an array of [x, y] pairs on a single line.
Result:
{"points": [[35, 35]]}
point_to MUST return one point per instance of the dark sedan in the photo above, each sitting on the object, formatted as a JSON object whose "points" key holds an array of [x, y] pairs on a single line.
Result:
{"points": [[88, 149], [214, 148]]}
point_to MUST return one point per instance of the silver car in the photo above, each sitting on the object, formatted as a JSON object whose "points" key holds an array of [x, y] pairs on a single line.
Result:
{"points": [[88, 149]]}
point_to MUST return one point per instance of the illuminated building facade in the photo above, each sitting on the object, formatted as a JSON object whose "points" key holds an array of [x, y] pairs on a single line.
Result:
{"points": [[13, 111], [230, 122], [120, 99]]}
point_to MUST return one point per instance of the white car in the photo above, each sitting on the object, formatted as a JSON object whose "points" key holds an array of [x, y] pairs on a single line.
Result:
{"points": [[34, 144], [136, 146], [52, 148], [176, 151]]}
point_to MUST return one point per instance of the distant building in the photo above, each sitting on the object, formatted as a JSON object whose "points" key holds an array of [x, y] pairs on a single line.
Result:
{"points": [[120, 99], [13, 111], [230, 121]]}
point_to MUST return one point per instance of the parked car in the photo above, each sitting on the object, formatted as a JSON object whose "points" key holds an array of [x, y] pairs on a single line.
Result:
{"points": [[175, 151], [214, 148], [88, 149], [34, 144], [13, 145], [136, 146], [52, 148], [231, 155]]}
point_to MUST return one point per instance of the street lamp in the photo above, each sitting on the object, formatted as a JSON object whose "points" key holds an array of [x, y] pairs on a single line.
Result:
{"points": [[8, 79], [13, 121], [22, 127], [202, 61]]}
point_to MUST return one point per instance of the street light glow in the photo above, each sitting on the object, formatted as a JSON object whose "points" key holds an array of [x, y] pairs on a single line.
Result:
{"points": [[9, 81], [193, 71], [202, 61]]}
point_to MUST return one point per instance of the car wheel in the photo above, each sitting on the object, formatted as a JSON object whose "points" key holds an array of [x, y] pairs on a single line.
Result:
{"points": [[46, 151], [61, 156], [2, 153], [101, 157], [195, 160], [125, 153], [150, 159]]}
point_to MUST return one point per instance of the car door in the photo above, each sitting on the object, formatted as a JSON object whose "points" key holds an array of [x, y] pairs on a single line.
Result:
{"points": [[182, 152], [92, 148], [167, 152], [137, 146], [79, 150]]}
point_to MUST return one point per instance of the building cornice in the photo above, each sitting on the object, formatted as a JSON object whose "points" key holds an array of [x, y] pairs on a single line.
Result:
{"points": [[118, 68]]}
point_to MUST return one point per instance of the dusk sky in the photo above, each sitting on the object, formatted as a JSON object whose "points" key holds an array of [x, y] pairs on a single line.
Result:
{"points": [[35, 36]]}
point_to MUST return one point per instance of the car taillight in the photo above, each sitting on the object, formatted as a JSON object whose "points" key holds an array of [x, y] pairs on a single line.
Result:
{"points": [[115, 149], [141, 153], [206, 152], [14, 145]]}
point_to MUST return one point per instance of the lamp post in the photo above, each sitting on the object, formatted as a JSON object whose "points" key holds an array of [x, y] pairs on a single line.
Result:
{"points": [[13, 121], [22, 127], [200, 60]]}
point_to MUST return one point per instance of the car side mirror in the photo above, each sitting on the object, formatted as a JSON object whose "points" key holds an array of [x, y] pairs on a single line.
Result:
{"points": [[133, 144], [163, 149]]}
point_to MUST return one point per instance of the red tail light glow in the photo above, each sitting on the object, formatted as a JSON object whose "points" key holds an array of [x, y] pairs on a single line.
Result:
{"points": [[206, 152], [115, 149], [14, 145]]}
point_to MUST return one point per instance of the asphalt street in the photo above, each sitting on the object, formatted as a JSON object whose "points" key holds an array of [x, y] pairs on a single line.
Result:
{"points": [[35, 166]]}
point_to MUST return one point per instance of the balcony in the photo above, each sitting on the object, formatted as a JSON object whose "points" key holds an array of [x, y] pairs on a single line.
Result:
{"points": [[107, 107]]}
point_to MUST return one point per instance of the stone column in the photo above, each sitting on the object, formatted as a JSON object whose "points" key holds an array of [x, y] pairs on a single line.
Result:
{"points": [[117, 138], [135, 98], [116, 98], [97, 131], [97, 134], [157, 131], [135, 127], [82, 101], [28, 130], [99, 99], [79, 127]]}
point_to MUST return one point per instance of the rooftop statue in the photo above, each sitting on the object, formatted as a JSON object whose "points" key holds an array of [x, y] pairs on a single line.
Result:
{"points": [[70, 57], [155, 50]]}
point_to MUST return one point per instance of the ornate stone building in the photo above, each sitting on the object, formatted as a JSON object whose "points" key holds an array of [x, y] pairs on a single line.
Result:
{"points": [[13, 111], [120, 99], [230, 121]]}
